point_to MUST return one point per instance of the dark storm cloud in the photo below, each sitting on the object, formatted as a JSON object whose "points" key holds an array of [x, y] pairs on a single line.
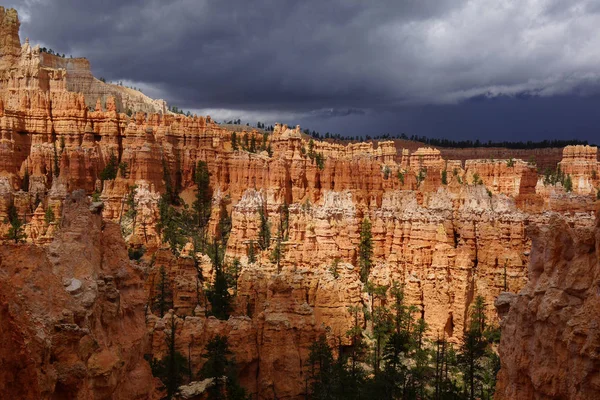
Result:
{"points": [[337, 60], [267, 53]]}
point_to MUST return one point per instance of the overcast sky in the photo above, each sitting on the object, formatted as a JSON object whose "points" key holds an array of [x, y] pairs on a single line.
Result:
{"points": [[488, 69]]}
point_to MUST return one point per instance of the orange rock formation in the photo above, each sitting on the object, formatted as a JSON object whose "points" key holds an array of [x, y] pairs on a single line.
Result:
{"points": [[550, 346]]}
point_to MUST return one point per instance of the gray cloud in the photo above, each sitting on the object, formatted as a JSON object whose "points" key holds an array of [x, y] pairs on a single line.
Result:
{"points": [[322, 60]]}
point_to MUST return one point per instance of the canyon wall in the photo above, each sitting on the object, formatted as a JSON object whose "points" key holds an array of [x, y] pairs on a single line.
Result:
{"points": [[550, 346], [72, 321]]}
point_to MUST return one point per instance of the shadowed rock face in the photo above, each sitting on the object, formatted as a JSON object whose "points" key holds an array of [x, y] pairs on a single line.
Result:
{"points": [[550, 346], [72, 321]]}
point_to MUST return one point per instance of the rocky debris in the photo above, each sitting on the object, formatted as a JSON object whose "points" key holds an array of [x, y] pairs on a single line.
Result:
{"points": [[96, 207], [74, 286], [194, 390], [503, 303]]}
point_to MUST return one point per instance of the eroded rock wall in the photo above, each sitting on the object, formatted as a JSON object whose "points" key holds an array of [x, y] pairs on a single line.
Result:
{"points": [[73, 314], [550, 346]]}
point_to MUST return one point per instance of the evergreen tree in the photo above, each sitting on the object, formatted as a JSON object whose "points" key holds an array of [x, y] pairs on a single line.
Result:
{"points": [[234, 144], [218, 293], [169, 224], [202, 204], [110, 170], [25, 182], [264, 233], [15, 232], [357, 354], [568, 184], [321, 372], [285, 220], [49, 216], [263, 145], [233, 273], [251, 253], [171, 194], [220, 366], [253, 144], [173, 367], [163, 297], [382, 322], [473, 347], [277, 251], [365, 250], [224, 227]]}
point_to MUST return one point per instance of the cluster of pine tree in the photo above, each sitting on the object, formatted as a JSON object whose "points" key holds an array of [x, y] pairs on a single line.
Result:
{"points": [[390, 357], [249, 144], [179, 224], [552, 177], [317, 157]]}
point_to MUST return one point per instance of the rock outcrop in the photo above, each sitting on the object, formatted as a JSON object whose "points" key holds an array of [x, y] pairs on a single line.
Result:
{"points": [[581, 163], [550, 346], [72, 321]]}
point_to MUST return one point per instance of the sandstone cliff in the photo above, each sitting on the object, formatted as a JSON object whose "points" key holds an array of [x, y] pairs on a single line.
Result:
{"points": [[550, 346], [72, 321]]}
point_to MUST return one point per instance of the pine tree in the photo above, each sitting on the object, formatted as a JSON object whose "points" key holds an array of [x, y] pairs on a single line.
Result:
{"points": [[169, 224], [224, 227], [49, 216], [277, 251], [110, 170], [321, 372], [163, 298], [234, 144], [357, 345], [173, 367], [203, 202], [220, 366], [15, 232], [251, 253], [285, 220], [263, 145], [473, 347], [568, 184], [382, 322], [25, 182], [218, 293], [264, 233], [365, 250]]}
